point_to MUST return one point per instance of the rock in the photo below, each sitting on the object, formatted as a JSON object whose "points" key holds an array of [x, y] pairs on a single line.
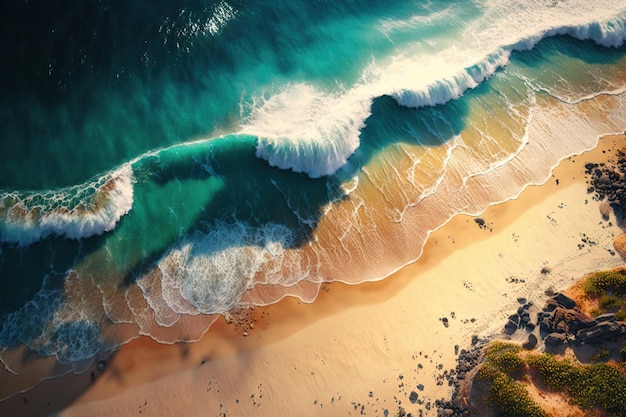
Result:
{"points": [[605, 209], [531, 342], [525, 319], [546, 270], [551, 305], [521, 300], [554, 339], [577, 321], [545, 325], [530, 326], [100, 365], [620, 245], [413, 397], [561, 327], [603, 331], [510, 327], [563, 300], [448, 412], [606, 317], [479, 221]]}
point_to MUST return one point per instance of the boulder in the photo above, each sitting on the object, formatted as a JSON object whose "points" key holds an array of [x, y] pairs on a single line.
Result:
{"points": [[551, 305], [545, 324], [531, 342], [606, 317], [605, 209], [546, 270], [554, 339], [577, 321], [525, 319], [601, 332], [510, 327], [620, 245], [564, 301]]}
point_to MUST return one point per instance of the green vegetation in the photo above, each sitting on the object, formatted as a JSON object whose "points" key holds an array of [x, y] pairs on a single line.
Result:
{"points": [[502, 363], [606, 281], [589, 386], [610, 287], [599, 385]]}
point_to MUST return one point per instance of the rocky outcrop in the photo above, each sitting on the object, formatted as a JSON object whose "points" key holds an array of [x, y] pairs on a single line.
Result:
{"points": [[521, 319], [608, 182], [561, 320], [620, 245]]}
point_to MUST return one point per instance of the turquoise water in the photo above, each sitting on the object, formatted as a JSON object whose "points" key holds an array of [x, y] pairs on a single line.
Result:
{"points": [[165, 161]]}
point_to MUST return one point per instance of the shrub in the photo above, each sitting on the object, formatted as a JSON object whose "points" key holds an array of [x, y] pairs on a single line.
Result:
{"points": [[501, 361], [609, 302], [606, 280], [589, 386], [512, 399]]}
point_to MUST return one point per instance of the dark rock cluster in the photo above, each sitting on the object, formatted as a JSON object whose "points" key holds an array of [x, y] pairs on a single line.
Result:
{"points": [[467, 362], [609, 181], [521, 319], [561, 321]]}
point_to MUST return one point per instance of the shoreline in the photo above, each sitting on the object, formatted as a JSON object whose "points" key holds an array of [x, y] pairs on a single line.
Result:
{"points": [[301, 341]]}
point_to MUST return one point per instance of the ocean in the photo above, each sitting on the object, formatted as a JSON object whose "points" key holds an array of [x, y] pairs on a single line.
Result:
{"points": [[162, 163]]}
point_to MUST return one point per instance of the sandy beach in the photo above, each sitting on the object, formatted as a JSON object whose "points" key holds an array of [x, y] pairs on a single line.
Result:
{"points": [[360, 350]]}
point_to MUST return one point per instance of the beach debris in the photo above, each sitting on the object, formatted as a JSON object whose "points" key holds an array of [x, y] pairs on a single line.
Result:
{"points": [[242, 319], [483, 224], [546, 270]]}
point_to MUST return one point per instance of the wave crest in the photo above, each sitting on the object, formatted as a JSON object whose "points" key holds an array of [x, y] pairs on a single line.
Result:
{"points": [[74, 212], [313, 132]]}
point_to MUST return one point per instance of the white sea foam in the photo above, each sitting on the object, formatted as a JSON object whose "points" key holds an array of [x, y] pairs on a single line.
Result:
{"points": [[75, 212], [208, 273], [307, 130]]}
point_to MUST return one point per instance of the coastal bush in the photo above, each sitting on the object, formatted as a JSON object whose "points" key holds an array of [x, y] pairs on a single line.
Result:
{"points": [[505, 358], [610, 287], [502, 361], [512, 399], [609, 302], [603, 281], [590, 386]]}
